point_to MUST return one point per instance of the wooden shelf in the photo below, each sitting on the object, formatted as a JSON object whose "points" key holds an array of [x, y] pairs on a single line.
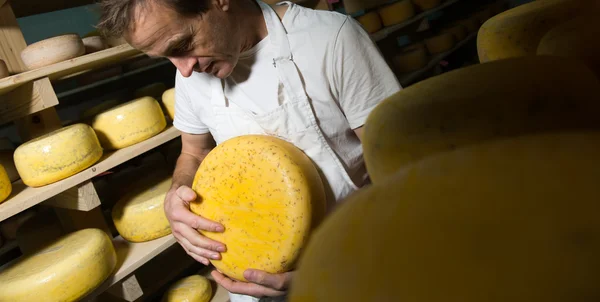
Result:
{"points": [[76, 65], [407, 79], [24, 197], [384, 33]]}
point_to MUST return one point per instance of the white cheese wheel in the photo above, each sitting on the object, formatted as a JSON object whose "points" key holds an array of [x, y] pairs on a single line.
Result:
{"points": [[52, 50], [370, 22], [411, 58], [129, 123], [38, 231], [139, 216], [194, 288], [168, 100], [3, 70], [94, 44], [397, 12], [57, 155], [154, 90], [65, 270], [440, 43]]}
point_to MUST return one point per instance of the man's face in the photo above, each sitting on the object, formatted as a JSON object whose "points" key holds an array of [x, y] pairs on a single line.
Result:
{"points": [[208, 43]]}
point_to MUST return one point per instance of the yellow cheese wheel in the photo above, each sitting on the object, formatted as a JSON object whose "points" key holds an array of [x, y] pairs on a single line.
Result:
{"points": [[3, 70], [52, 50], [129, 123], [189, 289], [57, 155], [370, 22], [139, 215], [168, 100], [154, 90], [94, 44], [267, 193], [472, 24], [494, 222], [5, 184], [6, 161], [440, 43], [518, 31], [427, 4], [459, 31], [65, 270], [92, 111], [397, 12], [38, 231], [411, 59], [481, 102], [578, 38]]}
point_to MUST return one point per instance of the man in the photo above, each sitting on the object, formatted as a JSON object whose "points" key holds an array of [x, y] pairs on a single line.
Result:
{"points": [[244, 67]]}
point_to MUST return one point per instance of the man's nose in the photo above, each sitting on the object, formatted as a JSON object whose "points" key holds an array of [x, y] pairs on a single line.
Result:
{"points": [[184, 65]]}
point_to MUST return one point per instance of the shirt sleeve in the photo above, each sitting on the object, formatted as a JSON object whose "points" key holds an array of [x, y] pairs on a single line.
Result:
{"points": [[361, 76], [186, 120]]}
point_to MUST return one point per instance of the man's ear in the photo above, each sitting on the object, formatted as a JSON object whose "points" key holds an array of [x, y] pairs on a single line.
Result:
{"points": [[222, 5]]}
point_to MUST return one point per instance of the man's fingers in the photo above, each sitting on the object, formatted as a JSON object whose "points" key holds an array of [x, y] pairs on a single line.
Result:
{"points": [[200, 241], [189, 249], [180, 213], [186, 194], [278, 282], [243, 288]]}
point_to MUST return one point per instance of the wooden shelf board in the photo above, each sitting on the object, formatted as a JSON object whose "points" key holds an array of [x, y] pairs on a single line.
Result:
{"points": [[384, 33], [62, 69], [24, 197], [435, 60]]}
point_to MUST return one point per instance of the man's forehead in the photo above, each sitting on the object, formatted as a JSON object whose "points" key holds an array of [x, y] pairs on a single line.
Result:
{"points": [[152, 25]]}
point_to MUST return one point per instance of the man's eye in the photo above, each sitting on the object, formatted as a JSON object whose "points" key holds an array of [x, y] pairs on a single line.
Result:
{"points": [[182, 49]]}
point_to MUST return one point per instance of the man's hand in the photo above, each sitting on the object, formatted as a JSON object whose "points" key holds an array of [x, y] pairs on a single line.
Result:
{"points": [[260, 284], [185, 226]]}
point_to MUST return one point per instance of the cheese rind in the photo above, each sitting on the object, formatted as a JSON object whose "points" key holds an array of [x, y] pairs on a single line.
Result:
{"points": [[194, 288], [5, 184], [57, 155], [52, 50], [139, 216], [268, 195], [129, 123], [168, 100], [397, 12]]}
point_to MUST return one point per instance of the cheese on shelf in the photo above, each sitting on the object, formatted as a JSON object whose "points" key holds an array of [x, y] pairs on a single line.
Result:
{"points": [[168, 100], [129, 123], [510, 220], [5, 184], [440, 43], [65, 270], [154, 90], [139, 216], [52, 50], [268, 195], [411, 58], [397, 12], [427, 4], [194, 288], [371, 22], [57, 155], [7, 151]]}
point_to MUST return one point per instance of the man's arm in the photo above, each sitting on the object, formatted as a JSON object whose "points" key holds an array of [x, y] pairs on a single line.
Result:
{"points": [[194, 149]]}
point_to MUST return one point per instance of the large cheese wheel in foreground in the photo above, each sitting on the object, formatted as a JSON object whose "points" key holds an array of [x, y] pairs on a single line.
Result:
{"points": [[129, 123], [194, 288], [396, 13], [66, 270], [5, 184], [481, 102], [57, 155], [512, 220], [168, 100], [267, 194], [139, 216]]}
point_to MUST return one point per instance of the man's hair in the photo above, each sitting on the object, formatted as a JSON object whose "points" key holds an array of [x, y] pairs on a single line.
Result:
{"points": [[117, 15]]}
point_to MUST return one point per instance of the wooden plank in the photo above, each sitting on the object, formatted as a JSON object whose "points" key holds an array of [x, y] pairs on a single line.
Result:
{"points": [[25, 8], [81, 198], [59, 70], [24, 197]]}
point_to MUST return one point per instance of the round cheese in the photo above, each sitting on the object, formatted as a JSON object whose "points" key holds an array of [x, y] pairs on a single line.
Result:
{"points": [[94, 44], [57, 155], [139, 216], [370, 22], [168, 100], [427, 4], [65, 270], [440, 43], [5, 184], [38, 231], [129, 123], [397, 12], [3, 70], [52, 50], [459, 32], [194, 288], [411, 58], [267, 194], [7, 150], [492, 222], [154, 90]]}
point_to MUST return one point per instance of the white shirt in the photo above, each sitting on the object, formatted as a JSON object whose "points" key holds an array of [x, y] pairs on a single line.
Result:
{"points": [[341, 67]]}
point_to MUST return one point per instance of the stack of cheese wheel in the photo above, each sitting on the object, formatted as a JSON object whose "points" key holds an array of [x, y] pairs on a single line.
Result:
{"points": [[267, 194], [370, 22], [427, 4], [57, 155], [459, 31], [3, 70], [496, 221], [7, 151], [154, 90], [168, 100], [440, 43], [194, 288], [38, 231], [129, 123], [139, 215], [503, 98], [397, 12], [411, 58], [52, 50], [65, 270]]}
